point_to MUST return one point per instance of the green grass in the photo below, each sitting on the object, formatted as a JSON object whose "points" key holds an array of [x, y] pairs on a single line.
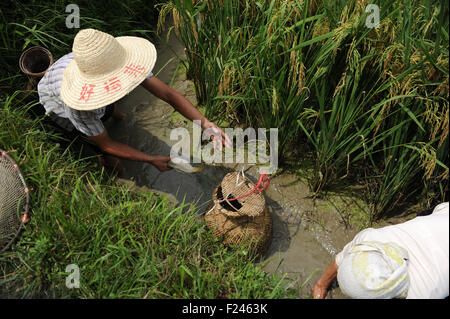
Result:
{"points": [[369, 105], [126, 244]]}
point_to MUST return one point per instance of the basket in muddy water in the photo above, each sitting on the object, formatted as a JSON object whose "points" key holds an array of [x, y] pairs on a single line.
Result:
{"points": [[245, 220]]}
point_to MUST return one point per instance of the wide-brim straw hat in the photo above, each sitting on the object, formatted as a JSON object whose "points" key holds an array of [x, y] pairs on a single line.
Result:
{"points": [[105, 68]]}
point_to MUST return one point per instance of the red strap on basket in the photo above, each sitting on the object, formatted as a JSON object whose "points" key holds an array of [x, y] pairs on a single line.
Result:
{"points": [[263, 179]]}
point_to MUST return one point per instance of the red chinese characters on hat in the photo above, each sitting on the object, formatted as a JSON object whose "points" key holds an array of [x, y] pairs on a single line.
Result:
{"points": [[113, 85], [133, 69], [86, 91]]}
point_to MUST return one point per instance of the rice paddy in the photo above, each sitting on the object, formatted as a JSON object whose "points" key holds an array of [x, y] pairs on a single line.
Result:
{"points": [[364, 105], [354, 105]]}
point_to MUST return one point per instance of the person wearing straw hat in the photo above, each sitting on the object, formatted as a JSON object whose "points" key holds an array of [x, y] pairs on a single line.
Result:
{"points": [[80, 89], [408, 260]]}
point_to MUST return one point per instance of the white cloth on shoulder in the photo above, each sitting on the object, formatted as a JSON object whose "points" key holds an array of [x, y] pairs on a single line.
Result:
{"points": [[426, 238], [374, 270]]}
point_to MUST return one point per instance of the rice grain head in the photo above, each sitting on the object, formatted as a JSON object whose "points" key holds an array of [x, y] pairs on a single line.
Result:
{"points": [[194, 29], [294, 61], [226, 79], [270, 27], [275, 105], [301, 79], [320, 28], [177, 22], [444, 125], [427, 159], [164, 11]]}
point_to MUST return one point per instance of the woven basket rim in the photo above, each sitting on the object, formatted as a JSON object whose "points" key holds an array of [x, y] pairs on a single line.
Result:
{"points": [[30, 51], [257, 200]]}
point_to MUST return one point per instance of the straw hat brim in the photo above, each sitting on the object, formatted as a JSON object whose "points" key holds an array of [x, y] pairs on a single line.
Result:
{"points": [[82, 92]]}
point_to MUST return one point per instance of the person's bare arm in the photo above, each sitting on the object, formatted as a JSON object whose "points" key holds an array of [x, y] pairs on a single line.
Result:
{"points": [[320, 289], [182, 105], [175, 99], [108, 145]]}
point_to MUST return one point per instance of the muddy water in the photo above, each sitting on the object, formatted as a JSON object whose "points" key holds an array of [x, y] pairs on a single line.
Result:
{"points": [[307, 233]]}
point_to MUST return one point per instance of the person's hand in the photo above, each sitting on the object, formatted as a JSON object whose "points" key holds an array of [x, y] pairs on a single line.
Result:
{"points": [[319, 291], [160, 162], [217, 131]]}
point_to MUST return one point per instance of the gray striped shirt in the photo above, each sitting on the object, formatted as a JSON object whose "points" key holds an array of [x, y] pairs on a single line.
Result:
{"points": [[87, 122]]}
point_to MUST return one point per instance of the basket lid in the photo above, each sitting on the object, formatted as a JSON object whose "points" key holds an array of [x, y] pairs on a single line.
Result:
{"points": [[234, 185]]}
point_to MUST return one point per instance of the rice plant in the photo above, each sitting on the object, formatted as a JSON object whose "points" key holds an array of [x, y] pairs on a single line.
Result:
{"points": [[370, 102]]}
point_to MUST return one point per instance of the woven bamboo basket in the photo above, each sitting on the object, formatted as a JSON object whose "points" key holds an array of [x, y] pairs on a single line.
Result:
{"points": [[245, 220], [34, 62]]}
